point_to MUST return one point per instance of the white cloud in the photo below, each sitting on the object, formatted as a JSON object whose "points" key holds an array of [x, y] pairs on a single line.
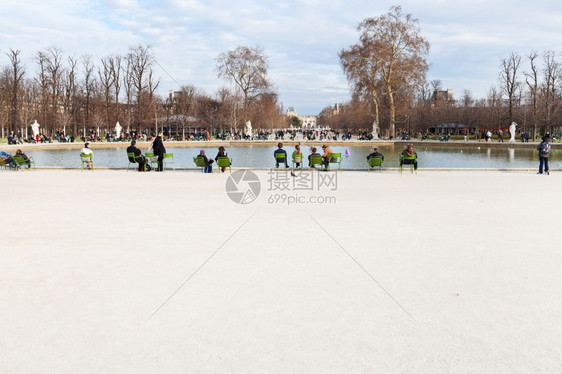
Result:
{"points": [[301, 38]]}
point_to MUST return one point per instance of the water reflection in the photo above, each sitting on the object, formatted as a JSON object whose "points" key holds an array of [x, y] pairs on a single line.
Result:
{"points": [[260, 157]]}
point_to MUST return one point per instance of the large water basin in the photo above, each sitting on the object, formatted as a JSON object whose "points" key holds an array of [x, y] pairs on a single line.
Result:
{"points": [[354, 156]]}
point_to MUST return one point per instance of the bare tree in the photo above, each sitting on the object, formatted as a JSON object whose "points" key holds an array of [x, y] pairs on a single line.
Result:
{"points": [[247, 68], [55, 73], [141, 82], [532, 80], [361, 67], [88, 87], [115, 68], [128, 85], [509, 81], [467, 100], [436, 85], [552, 76], [107, 80], [70, 96], [226, 110], [49, 79], [495, 107], [42, 80], [424, 93], [15, 83], [399, 52]]}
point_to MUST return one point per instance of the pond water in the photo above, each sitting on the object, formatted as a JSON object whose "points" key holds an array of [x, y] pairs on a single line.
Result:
{"points": [[261, 157]]}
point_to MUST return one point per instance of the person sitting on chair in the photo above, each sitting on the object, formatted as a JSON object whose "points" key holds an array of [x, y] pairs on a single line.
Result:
{"points": [[314, 153], [6, 158], [25, 158], [375, 153], [326, 157], [297, 155], [209, 167], [409, 152], [221, 153], [139, 158], [87, 151], [278, 152]]}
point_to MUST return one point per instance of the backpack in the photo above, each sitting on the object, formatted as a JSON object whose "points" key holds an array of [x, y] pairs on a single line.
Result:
{"points": [[544, 148]]}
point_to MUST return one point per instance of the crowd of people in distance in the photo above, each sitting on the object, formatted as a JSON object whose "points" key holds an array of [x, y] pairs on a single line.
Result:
{"points": [[18, 138]]}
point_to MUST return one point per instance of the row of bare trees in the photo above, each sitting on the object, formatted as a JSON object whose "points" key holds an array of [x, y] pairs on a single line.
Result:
{"points": [[71, 94], [387, 70], [77, 95]]}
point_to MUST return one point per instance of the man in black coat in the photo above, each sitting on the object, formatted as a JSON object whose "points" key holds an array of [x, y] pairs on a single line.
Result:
{"points": [[375, 153], [139, 158], [159, 150]]}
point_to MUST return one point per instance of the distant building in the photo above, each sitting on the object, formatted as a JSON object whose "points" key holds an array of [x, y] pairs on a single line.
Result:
{"points": [[337, 108], [174, 96], [443, 98], [308, 121]]}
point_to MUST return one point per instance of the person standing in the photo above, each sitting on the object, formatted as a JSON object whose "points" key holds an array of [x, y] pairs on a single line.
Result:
{"points": [[87, 151], [159, 150], [544, 153]]}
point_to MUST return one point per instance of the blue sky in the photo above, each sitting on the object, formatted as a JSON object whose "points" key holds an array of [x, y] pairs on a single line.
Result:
{"points": [[301, 38]]}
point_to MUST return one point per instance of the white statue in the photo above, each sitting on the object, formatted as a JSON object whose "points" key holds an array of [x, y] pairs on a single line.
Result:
{"points": [[512, 132], [375, 130], [118, 129], [248, 130], [35, 129]]}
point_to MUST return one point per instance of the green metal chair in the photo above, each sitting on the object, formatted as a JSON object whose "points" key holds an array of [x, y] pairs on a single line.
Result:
{"points": [[169, 159], [131, 156], [152, 160], [224, 162], [87, 159], [280, 158], [375, 162], [407, 161], [20, 162], [4, 165], [335, 158], [297, 159], [315, 160], [200, 163]]}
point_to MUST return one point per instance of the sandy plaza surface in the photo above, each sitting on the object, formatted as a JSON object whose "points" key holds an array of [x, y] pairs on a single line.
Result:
{"points": [[356, 272]]}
